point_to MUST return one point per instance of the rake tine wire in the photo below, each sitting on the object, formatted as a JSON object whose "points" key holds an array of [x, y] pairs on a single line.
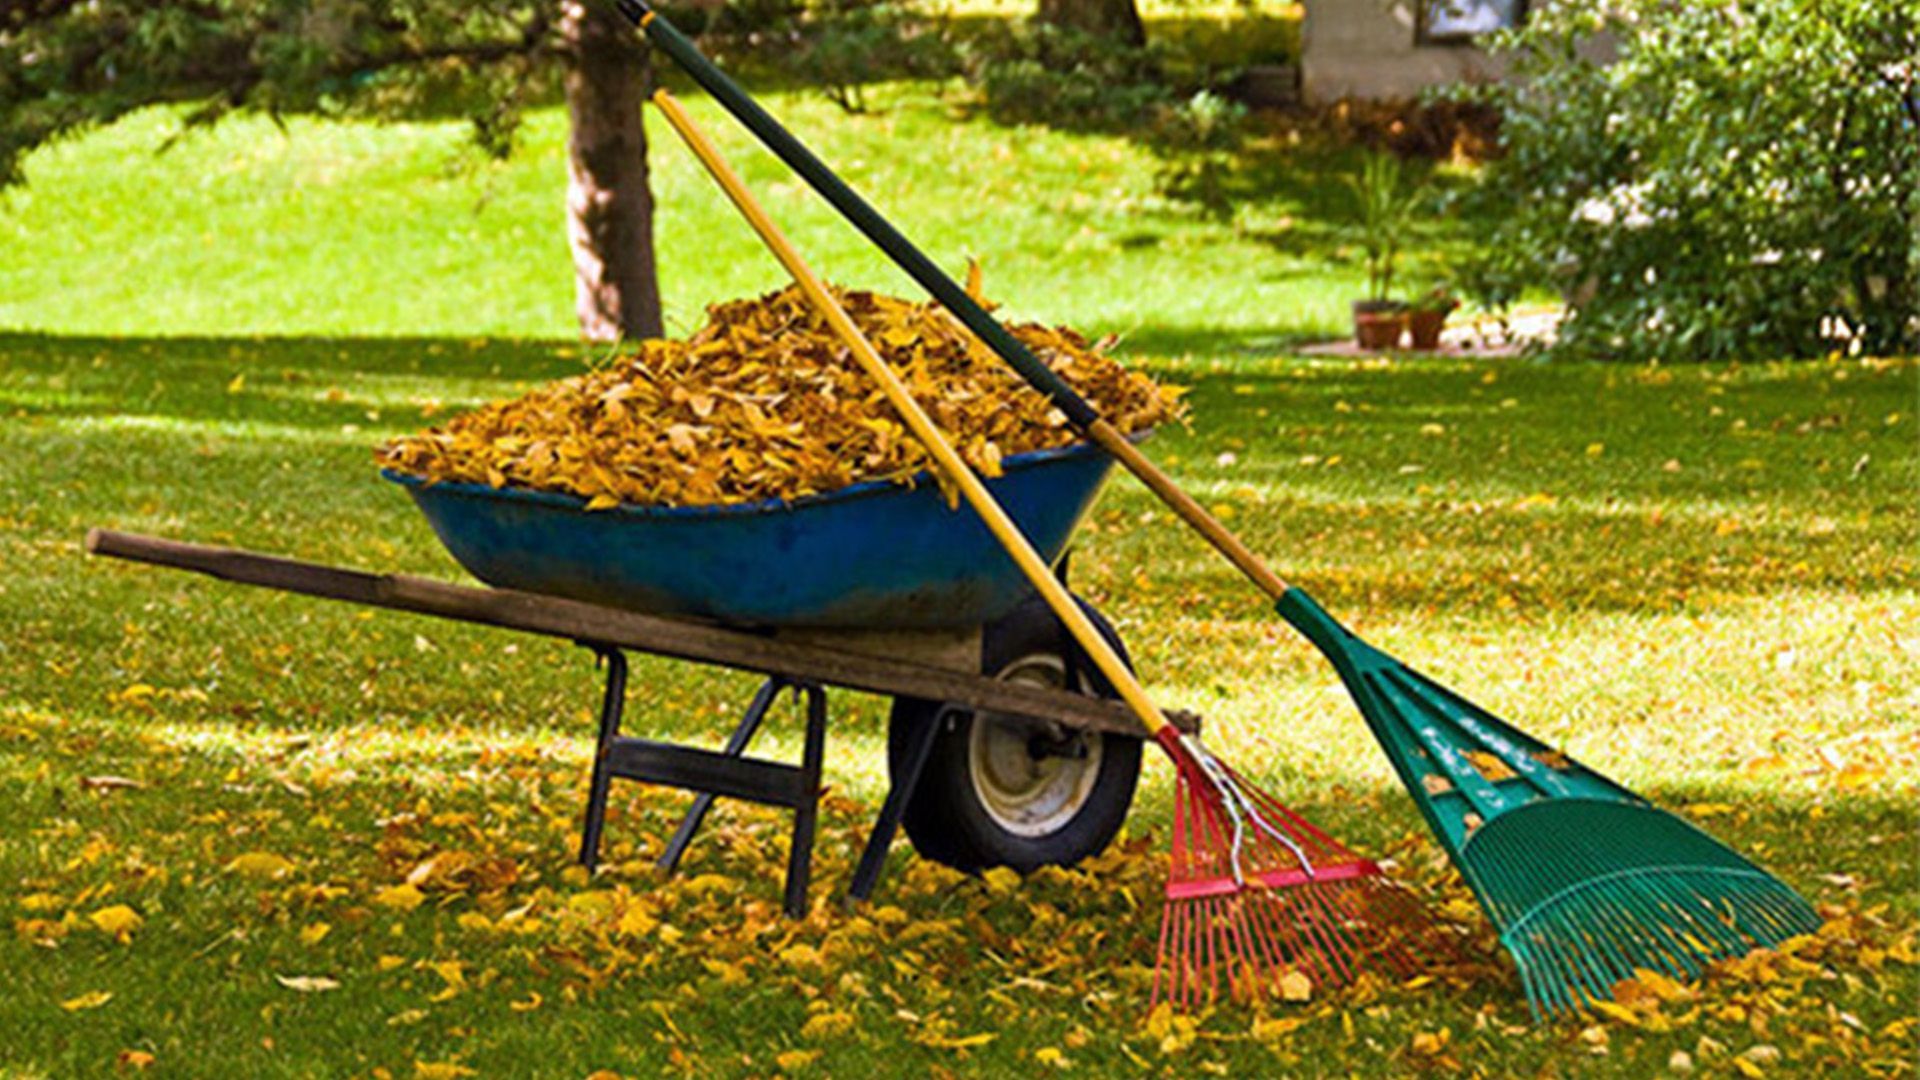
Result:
{"points": [[1255, 891]]}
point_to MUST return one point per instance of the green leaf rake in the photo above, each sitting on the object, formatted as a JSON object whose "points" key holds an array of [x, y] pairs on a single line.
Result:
{"points": [[1585, 880]]}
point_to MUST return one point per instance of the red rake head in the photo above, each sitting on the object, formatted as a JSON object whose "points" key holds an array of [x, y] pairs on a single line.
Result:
{"points": [[1256, 892]]}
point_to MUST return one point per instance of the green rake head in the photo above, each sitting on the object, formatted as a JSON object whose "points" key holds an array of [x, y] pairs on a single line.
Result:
{"points": [[1585, 891], [1585, 881]]}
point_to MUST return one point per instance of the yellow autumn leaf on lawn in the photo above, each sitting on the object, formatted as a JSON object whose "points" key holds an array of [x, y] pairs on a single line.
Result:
{"points": [[1276, 1028], [118, 920], [440, 1070], [1619, 1013], [399, 897], [795, 1060], [1430, 1043], [827, 1025], [473, 920], [1001, 880], [260, 864], [93, 999], [801, 956], [597, 904], [313, 932], [1295, 986], [133, 1059], [452, 973], [962, 1042], [1051, 1056], [533, 1001], [730, 974], [636, 921], [1665, 988]]}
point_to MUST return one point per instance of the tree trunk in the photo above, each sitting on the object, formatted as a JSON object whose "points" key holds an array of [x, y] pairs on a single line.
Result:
{"points": [[1117, 19], [609, 202]]}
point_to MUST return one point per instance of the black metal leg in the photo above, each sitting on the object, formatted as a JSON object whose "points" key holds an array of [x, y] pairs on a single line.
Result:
{"points": [[873, 858], [736, 745], [611, 704], [806, 814]]}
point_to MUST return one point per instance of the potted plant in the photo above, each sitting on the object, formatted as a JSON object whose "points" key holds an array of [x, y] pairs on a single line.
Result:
{"points": [[1385, 205], [1427, 316]]}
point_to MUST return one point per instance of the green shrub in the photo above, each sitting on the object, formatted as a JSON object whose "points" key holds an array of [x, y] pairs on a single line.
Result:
{"points": [[1196, 142], [1035, 73], [839, 47], [842, 46], [1739, 181]]}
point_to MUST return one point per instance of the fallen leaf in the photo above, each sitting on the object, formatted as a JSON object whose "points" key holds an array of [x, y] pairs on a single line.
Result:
{"points": [[1001, 880], [260, 864], [399, 897], [795, 1060], [93, 999], [1052, 1057], [119, 920], [827, 1025], [307, 984], [109, 783]]}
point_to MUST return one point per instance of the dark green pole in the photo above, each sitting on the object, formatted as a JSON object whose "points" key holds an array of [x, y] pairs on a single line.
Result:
{"points": [[864, 217]]}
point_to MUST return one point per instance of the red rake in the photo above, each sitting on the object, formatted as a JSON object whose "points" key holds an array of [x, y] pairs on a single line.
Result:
{"points": [[1256, 892]]}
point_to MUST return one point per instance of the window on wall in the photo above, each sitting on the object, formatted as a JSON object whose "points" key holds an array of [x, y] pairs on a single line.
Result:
{"points": [[1455, 22]]}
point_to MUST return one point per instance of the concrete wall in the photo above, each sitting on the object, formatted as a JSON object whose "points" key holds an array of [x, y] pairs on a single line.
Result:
{"points": [[1366, 49]]}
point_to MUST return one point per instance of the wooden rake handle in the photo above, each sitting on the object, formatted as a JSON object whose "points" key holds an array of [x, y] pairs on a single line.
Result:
{"points": [[1108, 438], [956, 470]]}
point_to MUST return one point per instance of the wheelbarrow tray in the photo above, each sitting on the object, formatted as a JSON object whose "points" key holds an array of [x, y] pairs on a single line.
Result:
{"points": [[875, 555]]}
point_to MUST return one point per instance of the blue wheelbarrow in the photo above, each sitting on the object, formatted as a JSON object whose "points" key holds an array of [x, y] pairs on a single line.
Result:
{"points": [[890, 565], [873, 555]]}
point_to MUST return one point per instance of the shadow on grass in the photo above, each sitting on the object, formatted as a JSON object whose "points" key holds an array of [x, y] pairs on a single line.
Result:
{"points": [[1403, 484]]}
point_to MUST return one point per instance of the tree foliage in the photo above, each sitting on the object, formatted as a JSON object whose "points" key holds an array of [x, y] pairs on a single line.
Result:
{"points": [[67, 65], [1714, 180]]}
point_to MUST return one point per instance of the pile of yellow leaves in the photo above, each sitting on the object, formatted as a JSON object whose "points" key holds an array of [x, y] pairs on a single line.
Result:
{"points": [[765, 402]]}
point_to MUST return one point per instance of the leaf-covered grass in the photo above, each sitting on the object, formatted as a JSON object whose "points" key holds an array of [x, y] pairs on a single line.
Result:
{"points": [[1700, 580]]}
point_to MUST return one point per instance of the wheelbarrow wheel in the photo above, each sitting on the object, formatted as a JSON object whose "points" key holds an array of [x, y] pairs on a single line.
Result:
{"points": [[1003, 791]]}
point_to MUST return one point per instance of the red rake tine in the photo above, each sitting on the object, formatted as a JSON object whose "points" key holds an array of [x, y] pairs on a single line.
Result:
{"points": [[1255, 890]]}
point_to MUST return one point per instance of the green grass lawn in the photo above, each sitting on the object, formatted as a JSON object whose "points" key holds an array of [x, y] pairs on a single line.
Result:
{"points": [[1700, 580], [356, 229]]}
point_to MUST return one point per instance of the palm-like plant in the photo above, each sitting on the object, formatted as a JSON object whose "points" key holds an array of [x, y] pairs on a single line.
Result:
{"points": [[1385, 202]]}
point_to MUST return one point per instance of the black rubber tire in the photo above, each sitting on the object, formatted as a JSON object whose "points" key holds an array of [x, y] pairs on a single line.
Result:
{"points": [[946, 820]]}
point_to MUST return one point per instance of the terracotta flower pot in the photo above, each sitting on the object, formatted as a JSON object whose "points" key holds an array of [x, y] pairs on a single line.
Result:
{"points": [[1378, 324], [1424, 328]]}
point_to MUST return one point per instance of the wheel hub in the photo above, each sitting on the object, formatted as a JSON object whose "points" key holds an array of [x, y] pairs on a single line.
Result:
{"points": [[1031, 784]]}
